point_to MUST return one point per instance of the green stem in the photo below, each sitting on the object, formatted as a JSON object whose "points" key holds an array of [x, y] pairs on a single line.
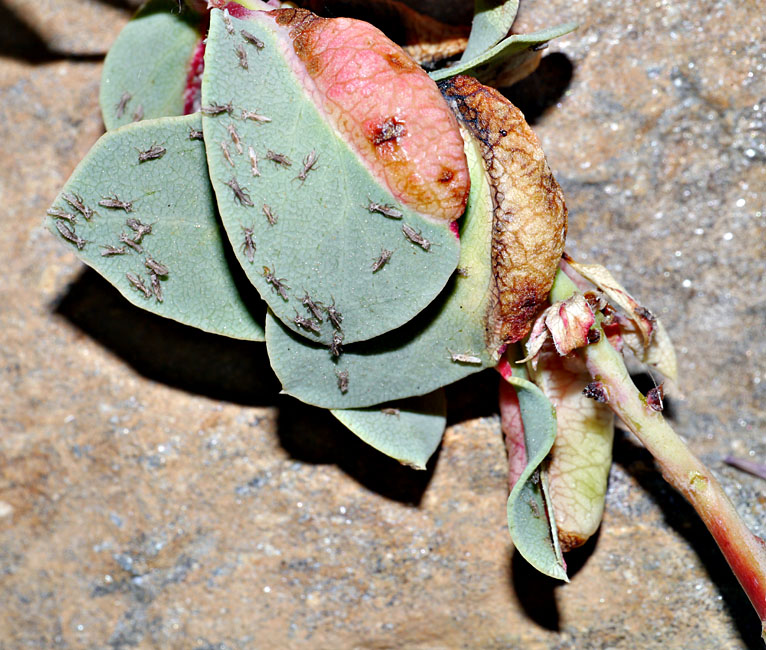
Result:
{"points": [[744, 551]]}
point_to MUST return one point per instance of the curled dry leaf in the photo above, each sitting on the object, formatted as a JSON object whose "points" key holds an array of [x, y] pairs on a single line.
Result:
{"points": [[647, 338], [529, 214], [567, 323], [385, 106], [427, 40]]}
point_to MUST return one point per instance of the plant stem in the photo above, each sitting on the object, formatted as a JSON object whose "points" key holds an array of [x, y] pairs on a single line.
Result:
{"points": [[744, 551]]}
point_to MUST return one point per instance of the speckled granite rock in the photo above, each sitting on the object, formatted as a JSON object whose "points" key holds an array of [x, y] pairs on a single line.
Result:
{"points": [[157, 492]]}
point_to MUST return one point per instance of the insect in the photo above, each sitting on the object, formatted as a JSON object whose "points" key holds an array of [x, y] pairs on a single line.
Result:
{"points": [[272, 218], [240, 193], [308, 164], [277, 284], [336, 318], [252, 39], [110, 250], [415, 237], [226, 154], [654, 398], [335, 344], [278, 158], [138, 115], [116, 204], [252, 115], [75, 200], [194, 134], [595, 390], [156, 267], [253, 161], [152, 153], [70, 235], [235, 138], [154, 280], [119, 109], [459, 357], [217, 109], [133, 244], [462, 271], [390, 411], [306, 323], [386, 209], [138, 284], [248, 245], [342, 376], [313, 307], [58, 213], [379, 263], [139, 228], [241, 55], [227, 21]]}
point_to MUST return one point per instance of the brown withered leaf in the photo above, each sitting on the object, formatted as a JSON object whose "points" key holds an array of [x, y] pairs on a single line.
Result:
{"points": [[529, 214], [427, 40]]}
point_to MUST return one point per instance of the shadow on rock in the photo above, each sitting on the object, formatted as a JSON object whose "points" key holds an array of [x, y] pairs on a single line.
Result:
{"points": [[166, 351], [684, 521], [536, 93], [537, 592], [473, 397], [313, 435], [18, 40]]}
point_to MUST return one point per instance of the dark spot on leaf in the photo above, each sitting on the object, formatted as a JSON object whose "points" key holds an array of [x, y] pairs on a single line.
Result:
{"points": [[446, 176]]}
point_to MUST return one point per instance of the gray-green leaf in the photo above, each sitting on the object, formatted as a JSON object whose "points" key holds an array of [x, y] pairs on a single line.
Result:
{"points": [[441, 345], [157, 217], [408, 430], [145, 71], [492, 20], [278, 167], [530, 519], [508, 53]]}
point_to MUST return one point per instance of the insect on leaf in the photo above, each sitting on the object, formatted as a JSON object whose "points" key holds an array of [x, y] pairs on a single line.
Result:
{"points": [[309, 203], [146, 70], [155, 234], [409, 430], [441, 345]]}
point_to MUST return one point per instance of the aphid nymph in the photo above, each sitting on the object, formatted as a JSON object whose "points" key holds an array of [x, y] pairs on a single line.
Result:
{"points": [[217, 109], [270, 216], [70, 235], [75, 200], [415, 237], [386, 209], [240, 193], [138, 284], [152, 153], [248, 245], [306, 323], [156, 267], [313, 307], [383, 258], [278, 158], [115, 203], [308, 164], [277, 284], [252, 39]]}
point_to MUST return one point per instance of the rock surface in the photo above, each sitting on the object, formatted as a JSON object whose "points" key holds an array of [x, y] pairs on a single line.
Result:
{"points": [[157, 492]]}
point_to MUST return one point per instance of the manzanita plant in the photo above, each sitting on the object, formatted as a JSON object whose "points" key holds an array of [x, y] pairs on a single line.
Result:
{"points": [[399, 231]]}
